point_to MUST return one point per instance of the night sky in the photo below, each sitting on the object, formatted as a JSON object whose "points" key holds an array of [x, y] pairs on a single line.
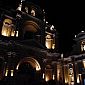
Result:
{"points": [[67, 17]]}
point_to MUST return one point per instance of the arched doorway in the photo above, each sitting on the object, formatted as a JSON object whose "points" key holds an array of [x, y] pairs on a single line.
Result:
{"points": [[28, 70], [33, 62]]}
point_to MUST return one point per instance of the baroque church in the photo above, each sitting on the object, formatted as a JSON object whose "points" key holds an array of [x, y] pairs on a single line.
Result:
{"points": [[29, 48]]}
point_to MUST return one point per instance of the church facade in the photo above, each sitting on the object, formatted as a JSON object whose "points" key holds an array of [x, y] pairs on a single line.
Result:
{"points": [[28, 41]]}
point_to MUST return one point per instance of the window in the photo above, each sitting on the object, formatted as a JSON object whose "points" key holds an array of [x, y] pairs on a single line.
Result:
{"points": [[8, 28], [50, 41], [33, 12], [26, 9], [83, 45]]}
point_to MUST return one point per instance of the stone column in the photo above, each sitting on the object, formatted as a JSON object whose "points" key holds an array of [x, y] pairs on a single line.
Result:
{"points": [[74, 70]]}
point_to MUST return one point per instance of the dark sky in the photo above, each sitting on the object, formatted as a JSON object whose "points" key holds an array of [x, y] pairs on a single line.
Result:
{"points": [[67, 17]]}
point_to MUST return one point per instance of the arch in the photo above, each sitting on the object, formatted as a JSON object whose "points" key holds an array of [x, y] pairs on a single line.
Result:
{"points": [[30, 26], [30, 60]]}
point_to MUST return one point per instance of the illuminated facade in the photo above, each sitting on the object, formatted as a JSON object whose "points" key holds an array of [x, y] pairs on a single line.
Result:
{"points": [[74, 64], [27, 39]]}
